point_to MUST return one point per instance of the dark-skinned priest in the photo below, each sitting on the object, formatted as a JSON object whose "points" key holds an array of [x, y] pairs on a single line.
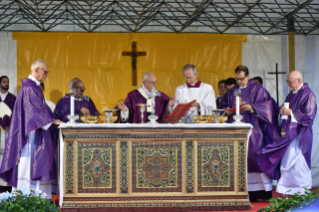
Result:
{"points": [[289, 159], [83, 105], [261, 112], [129, 111], [7, 98], [28, 160]]}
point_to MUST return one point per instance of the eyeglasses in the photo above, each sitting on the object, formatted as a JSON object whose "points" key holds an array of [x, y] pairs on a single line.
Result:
{"points": [[45, 71], [152, 83], [289, 82], [241, 79], [188, 78], [80, 88]]}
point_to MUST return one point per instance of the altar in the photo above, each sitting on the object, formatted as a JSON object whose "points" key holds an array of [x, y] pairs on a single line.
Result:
{"points": [[138, 167]]}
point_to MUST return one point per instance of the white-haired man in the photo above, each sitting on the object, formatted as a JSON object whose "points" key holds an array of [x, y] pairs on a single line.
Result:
{"points": [[28, 160], [129, 111], [194, 89], [289, 158]]}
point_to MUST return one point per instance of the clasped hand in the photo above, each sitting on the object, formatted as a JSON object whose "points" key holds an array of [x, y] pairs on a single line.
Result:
{"points": [[285, 111]]}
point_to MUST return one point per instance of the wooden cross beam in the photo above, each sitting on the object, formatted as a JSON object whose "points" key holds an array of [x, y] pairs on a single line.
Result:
{"points": [[277, 80], [134, 54]]}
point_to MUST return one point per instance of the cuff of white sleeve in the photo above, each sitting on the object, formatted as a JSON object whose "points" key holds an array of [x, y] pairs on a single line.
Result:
{"points": [[46, 127], [124, 115], [293, 119]]}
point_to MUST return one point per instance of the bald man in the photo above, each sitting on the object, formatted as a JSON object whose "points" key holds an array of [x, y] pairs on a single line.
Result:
{"points": [[28, 159], [289, 159]]}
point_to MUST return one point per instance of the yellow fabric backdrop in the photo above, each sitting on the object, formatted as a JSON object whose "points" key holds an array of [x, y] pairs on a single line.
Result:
{"points": [[96, 58]]}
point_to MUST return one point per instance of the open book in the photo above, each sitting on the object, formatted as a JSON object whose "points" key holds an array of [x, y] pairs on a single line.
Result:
{"points": [[179, 112]]}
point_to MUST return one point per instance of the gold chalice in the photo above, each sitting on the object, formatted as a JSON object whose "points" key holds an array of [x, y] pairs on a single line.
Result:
{"points": [[210, 118], [222, 119], [113, 119], [102, 119], [84, 119]]}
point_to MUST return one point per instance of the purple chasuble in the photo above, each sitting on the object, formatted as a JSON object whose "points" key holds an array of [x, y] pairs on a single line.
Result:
{"points": [[30, 114], [135, 97], [10, 101], [304, 107], [62, 109], [263, 119]]}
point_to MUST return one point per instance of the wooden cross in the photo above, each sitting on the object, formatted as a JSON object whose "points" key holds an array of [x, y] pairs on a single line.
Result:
{"points": [[277, 80], [134, 54]]}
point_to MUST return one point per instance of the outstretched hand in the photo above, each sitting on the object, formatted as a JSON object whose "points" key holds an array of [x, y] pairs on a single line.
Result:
{"points": [[122, 106]]}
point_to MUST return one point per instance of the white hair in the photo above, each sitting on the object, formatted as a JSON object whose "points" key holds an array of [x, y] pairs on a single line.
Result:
{"points": [[145, 76], [188, 66], [38, 63]]}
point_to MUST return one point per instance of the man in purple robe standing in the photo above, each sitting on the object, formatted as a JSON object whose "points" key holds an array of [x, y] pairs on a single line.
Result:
{"points": [[261, 112], [289, 158], [129, 111], [83, 105], [8, 98], [28, 160]]}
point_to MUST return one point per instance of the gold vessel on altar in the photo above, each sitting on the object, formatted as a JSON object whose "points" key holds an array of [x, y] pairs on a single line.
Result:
{"points": [[203, 119], [222, 119]]}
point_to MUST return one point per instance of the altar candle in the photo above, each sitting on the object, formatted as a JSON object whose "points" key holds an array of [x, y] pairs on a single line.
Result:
{"points": [[237, 105], [72, 106]]}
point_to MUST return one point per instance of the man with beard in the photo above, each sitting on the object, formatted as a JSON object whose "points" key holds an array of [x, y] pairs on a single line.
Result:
{"points": [[7, 100]]}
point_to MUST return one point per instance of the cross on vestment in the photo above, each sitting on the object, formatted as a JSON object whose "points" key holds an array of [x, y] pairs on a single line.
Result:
{"points": [[277, 80], [134, 54]]}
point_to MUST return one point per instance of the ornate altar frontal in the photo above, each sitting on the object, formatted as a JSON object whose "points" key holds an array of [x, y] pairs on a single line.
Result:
{"points": [[179, 167]]}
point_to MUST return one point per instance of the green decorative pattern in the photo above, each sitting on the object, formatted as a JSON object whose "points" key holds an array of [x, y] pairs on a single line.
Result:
{"points": [[96, 167], [156, 167], [189, 167], [241, 166], [96, 164], [124, 167], [215, 166], [69, 168]]}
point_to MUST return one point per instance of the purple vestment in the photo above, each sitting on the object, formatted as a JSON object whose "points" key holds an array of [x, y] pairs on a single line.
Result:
{"points": [[30, 113], [135, 97], [304, 107], [263, 119], [62, 109], [10, 101]]}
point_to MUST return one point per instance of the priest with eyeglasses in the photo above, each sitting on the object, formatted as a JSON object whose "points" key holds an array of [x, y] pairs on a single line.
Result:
{"points": [[259, 110], [146, 94], [83, 105]]}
